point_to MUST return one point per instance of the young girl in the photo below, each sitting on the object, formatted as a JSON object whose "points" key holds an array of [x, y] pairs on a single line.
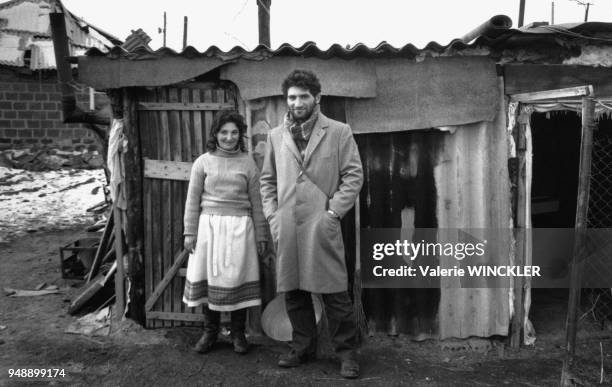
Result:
{"points": [[224, 232]]}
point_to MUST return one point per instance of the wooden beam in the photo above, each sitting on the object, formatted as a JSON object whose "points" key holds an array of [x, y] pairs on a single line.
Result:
{"points": [[120, 275], [175, 316], [523, 216], [553, 94], [167, 170], [525, 78], [161, 286], [579, 255], [200, 106], [134, 227]]}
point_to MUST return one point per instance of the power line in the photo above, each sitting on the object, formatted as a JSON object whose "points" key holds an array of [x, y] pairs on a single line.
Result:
{"points": [[241, 10]]}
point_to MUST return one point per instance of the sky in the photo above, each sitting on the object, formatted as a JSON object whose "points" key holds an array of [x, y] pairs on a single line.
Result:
{"points": [[229, 23]]}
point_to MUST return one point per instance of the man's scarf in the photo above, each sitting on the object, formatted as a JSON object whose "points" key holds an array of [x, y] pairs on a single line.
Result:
{"points": [[301, 132]]}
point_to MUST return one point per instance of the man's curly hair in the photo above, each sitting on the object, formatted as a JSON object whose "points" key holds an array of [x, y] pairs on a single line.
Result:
{"points": [[304, 79]]}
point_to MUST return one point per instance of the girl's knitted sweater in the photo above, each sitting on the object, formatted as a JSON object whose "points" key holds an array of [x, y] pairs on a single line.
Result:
{"points": [[224, 183]]}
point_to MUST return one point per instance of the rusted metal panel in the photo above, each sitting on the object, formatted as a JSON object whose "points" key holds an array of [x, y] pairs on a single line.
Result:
{"points": [[345, 78], [399, 191], [473, 188], [412, 179], [432, 93]]}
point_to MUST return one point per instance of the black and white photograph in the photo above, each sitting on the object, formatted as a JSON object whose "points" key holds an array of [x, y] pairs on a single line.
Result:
{"points": [[306, 193]]}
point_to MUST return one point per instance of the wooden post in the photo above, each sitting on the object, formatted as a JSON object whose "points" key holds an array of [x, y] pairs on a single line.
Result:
{"points": [[184, 32], [552, 12], [119, 275], [522, 215], [134, 232], [584, 175], [263, 15], [164, 31], [521, 18]]}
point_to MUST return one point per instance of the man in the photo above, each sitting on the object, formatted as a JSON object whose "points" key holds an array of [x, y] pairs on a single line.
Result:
{"points": [[310, 179]]}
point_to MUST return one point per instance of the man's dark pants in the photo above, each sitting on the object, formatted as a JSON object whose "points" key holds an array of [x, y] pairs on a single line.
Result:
{"points": [[340, 318]]}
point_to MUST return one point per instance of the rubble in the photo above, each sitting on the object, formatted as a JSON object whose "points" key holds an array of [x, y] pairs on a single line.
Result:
{"points": [[50, 159]]}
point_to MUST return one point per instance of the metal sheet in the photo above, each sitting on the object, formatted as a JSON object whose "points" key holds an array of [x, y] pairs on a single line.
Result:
{"points": [[473, 188], [436, 92], [344, 78]]}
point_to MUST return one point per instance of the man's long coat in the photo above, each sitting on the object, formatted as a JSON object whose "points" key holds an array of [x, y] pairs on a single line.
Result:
{"points": [[296, 195]]}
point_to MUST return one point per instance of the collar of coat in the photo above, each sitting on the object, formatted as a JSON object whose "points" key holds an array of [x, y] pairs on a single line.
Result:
{"points": [[318, 132]]}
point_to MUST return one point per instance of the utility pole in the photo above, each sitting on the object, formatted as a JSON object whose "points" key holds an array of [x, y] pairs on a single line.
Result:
{"points": [[586, 8], [521, 17], [184, 32], [586, 12], [160, 30], [552, 12], [263, 16]]}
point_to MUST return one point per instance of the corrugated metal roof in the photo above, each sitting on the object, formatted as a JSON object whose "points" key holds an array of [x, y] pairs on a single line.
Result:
{"points": [[27, 27], [597, 32]]}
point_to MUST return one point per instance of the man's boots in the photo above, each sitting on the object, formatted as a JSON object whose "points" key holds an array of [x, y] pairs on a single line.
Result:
{"points": [[237, 326], [211, 330]]}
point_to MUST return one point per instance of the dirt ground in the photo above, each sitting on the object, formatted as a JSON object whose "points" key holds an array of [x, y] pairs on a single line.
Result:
{"points": [[32, 336]]}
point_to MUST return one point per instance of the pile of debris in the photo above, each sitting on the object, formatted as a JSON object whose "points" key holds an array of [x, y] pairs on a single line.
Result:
{"points": [[50, 159], [97, 257]]}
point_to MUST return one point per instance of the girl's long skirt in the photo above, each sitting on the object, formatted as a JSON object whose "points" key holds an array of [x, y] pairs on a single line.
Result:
{"points": [[223, 272]]}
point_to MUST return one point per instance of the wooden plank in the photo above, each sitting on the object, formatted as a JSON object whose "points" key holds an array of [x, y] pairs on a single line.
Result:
{"points": [[165, 200], [165, 235], [134, 228], [171, 106], [579, 255], [196, 85], [520, 237], [186, 128], [187, 150], [175, 316], [208, 115], [177, 139], [156, 148], [102, 247], [553, 94], [168, 276], [119, 275], [222, 98], [198, 139], [525, 78], [167, 170], [147, 145]]}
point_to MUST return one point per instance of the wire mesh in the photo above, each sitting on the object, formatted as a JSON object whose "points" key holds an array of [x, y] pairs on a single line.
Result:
{"points": [[592, 360]]}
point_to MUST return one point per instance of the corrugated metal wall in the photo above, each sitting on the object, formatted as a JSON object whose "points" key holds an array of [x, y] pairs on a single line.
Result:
{"points": [[473, 188], [425, 179]]}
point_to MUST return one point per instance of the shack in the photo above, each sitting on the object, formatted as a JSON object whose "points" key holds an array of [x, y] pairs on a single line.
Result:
{"points": [[450, 137], [30, 105]]}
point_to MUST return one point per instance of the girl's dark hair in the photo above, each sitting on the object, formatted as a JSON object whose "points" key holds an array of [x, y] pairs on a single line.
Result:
{"points": [[222, 119], [304, 79]]}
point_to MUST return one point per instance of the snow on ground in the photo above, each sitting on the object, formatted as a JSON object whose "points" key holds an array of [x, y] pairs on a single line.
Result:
{"points": [[44, 201]]}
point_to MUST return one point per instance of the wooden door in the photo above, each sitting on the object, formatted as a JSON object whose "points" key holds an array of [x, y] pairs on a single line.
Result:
{"points": [[174, 125]]}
